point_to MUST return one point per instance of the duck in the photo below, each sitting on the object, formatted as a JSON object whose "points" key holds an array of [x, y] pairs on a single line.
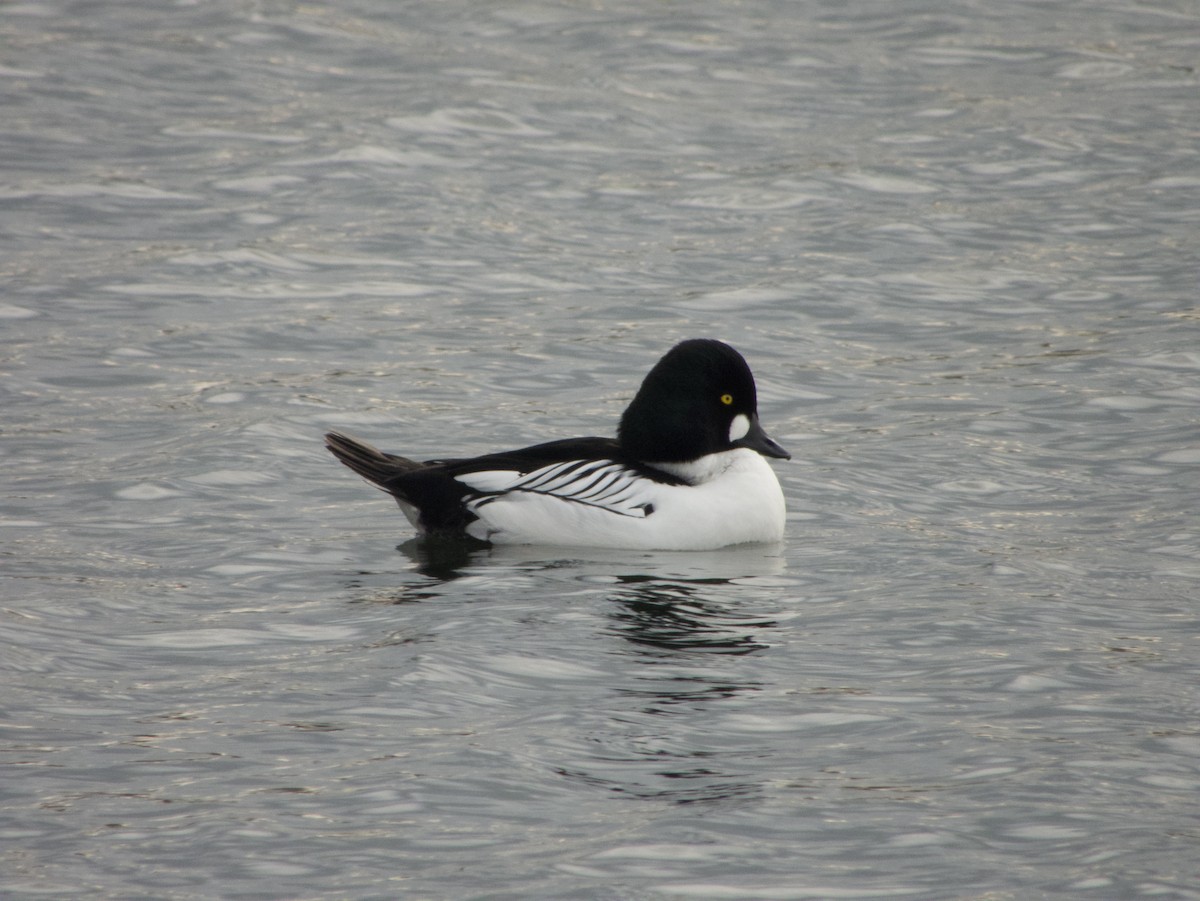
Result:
{"points": [[687, 471]]}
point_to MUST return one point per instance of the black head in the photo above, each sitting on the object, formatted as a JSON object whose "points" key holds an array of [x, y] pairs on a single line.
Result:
{"points": [[698, 399]]}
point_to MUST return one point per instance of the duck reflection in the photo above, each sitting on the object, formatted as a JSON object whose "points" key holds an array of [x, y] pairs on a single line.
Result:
{"points": [[683, 785], [683, 632], [662, 749], [676, 615], [450, 559], [438, 562], [443, 560]]}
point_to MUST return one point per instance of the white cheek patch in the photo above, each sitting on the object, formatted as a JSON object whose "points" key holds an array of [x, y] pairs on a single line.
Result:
{"points": [[738, 428]]}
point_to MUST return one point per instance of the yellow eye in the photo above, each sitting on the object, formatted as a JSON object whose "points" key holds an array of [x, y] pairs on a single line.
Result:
{"points": [[727, 399]]}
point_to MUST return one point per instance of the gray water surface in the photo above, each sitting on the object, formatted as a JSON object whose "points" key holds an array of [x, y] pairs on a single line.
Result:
{"points": [[956, 241]]}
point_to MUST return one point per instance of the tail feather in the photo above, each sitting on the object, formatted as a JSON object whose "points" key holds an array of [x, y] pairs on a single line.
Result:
{"points": [[369, 462]]}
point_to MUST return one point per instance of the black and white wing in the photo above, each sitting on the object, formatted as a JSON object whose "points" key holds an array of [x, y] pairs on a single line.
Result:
{"points": [[602, 484]]}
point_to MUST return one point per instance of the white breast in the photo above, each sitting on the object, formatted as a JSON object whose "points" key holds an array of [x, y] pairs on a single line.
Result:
{"points": [[734, 499]]}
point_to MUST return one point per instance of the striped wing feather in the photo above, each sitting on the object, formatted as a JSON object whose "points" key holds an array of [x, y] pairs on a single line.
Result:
{"points": [[597, 483]]}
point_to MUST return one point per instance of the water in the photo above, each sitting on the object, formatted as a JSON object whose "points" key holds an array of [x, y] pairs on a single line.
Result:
{"points": [[957, 243]]}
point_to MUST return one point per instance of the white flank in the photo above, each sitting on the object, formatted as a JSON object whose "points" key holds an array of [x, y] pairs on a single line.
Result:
{"points": [[733, 498]]}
